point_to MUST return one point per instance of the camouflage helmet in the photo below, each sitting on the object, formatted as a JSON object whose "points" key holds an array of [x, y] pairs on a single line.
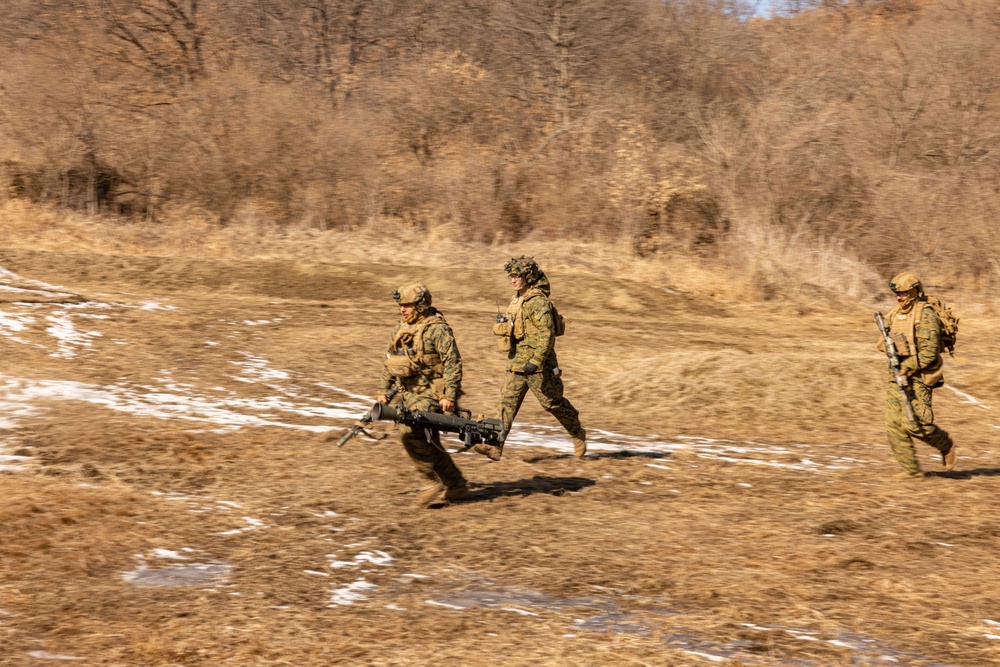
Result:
{"points": [[526, 267], [415, 293], [904, 282]]}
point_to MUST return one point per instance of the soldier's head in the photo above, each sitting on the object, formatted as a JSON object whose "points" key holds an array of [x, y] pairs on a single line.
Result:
{"points": [[522, 271], [907, 288], [414, 300]]}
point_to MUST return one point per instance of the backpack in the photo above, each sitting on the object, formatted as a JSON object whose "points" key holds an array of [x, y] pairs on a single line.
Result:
{"points": [[558, 321], [949, 323]]}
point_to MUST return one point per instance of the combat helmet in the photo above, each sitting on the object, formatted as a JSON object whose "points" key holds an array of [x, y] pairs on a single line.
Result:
{"points": [[906, 281], [415, 293], [523, 266]]}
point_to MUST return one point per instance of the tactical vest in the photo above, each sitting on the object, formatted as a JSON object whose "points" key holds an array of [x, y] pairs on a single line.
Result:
{"points": [[407, 357], [903, 330], [522, 326]]}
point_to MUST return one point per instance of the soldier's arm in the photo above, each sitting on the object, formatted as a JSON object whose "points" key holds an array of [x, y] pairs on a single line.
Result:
{"points": [[928, 340], [386, 380], [443, 340], [538, 311]]}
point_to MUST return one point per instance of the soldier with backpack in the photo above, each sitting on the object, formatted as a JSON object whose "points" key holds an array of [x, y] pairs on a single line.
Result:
{"points": [[919, 328], [527, 333]]}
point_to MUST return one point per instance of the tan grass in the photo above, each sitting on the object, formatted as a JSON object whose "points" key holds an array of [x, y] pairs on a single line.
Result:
{"points": [[757, 263], [699, 547]]}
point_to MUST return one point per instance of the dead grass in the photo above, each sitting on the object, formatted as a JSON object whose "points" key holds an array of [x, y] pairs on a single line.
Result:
{"points": [[757, 263], [594, 562]]}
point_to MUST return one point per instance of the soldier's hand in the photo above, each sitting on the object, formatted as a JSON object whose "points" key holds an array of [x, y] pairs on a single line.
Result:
{"points": [[380, 398], [530, 368], [447, 406]]}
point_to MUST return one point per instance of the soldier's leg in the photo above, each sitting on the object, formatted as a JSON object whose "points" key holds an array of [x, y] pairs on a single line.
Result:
{"points": [[898, 429], [548, 389], [434, 462], [926, 430], [515, 387], [415, 444], [424, 448]]}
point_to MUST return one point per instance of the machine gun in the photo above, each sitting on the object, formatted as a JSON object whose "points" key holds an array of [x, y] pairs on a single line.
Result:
{"points": [[470, 431], [363, 423], [894, 365]]}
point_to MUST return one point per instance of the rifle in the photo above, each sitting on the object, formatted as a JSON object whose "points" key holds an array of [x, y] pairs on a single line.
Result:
{"points": [[471, 431], [363, 423], [894, 365]]}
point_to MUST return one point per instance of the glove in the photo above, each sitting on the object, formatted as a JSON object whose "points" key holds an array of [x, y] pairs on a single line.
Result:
{"points": [[530, 368]]}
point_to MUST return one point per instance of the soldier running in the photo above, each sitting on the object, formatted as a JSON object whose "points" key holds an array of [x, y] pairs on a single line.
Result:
{"points": [[424, 361], [528, 334], [915, 330]]}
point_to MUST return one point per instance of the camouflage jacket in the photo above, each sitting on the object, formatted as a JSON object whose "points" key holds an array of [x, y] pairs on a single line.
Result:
{"points": [[921, 328], [533, 338], [436, 365]]}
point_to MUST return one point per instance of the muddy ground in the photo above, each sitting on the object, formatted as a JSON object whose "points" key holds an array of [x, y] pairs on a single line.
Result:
{"points": [[170, 496]]}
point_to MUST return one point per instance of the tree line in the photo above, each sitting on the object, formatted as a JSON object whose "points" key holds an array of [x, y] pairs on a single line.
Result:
{"points": [[671, 124]]}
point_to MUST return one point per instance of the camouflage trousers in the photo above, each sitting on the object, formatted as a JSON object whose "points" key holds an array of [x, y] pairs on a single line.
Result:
{"points": [[547, 388], [901, 431], [424, 446]]}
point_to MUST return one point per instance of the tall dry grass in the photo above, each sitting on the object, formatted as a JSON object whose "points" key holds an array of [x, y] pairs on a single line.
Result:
{"points": [[755, 264]]}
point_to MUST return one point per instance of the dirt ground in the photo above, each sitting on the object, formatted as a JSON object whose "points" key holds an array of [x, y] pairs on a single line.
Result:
{"points": [[169, 495]]}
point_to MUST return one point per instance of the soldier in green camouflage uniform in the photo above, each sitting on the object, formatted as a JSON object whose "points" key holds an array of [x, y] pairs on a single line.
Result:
{"points": [[527, 333], [916, 331], [424, 361]]}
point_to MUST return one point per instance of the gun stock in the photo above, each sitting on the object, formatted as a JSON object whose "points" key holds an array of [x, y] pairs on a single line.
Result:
{"points": [[365, 421]]}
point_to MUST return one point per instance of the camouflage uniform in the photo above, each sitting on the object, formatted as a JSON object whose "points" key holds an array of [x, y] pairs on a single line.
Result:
{"points": [[423, 359], [917, 332], [531, 361]]}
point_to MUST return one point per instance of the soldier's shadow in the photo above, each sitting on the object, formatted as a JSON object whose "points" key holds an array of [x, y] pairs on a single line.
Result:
{"points": [[553, 486], [623, 454], [966, 474]]}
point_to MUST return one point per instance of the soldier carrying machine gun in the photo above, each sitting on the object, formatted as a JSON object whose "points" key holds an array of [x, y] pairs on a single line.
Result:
{"points": [[470, 431]]}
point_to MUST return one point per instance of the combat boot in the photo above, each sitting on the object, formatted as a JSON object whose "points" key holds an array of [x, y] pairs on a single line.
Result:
{"points": [[455, 493], [430, 495], [908, 474], [580, 443], [948, 458], [493, 452]]}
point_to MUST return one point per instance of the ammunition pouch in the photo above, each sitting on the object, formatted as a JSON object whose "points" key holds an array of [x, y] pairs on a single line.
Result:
{"points": [[400, 366], [503, 330], [902, 345]]}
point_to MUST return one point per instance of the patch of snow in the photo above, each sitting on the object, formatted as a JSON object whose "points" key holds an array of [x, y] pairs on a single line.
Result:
{"points": [[351, 593], [45, 655], [444, 604]]}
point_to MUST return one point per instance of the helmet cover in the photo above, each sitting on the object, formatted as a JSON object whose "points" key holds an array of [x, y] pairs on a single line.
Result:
{"points": [[415, 293], [522, 266], [904, 282]]}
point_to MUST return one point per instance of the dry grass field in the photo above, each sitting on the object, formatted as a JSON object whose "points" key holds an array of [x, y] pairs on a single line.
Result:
{"points": [[170, 497]]}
